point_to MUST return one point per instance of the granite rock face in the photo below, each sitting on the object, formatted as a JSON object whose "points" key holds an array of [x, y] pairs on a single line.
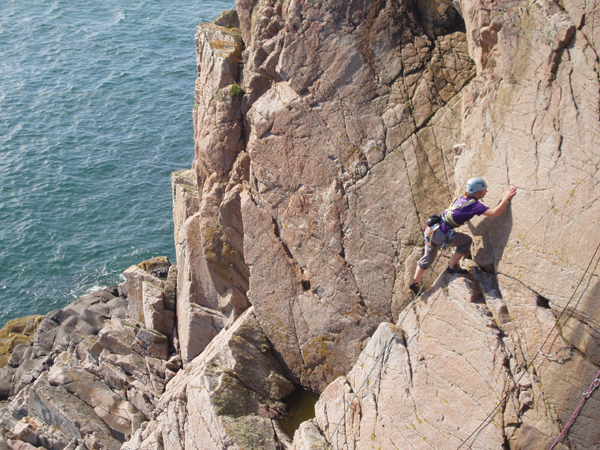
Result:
{"points": [[450, 377], [325, 119], [212, 277], [333, 145], [348, 124]]}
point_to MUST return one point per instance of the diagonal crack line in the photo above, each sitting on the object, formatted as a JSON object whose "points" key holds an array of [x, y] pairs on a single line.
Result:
{"points": [[411, 136]]}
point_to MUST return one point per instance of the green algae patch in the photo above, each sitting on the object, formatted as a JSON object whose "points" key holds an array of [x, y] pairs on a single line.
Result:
{"points": [[301, 407], [236, 90]]}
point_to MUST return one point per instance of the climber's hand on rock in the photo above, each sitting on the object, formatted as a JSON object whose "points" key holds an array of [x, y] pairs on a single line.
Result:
{"points": [[510, 193]]}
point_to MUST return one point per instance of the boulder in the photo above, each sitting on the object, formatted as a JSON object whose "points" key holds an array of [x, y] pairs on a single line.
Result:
{"points": [[6, 379], [228, 19], [119, 415], [83, 303], [156, 316], [151, 343], [229, 394], [16, 358], [132, 288], [34, 432], [55, 406], [157, 267]]}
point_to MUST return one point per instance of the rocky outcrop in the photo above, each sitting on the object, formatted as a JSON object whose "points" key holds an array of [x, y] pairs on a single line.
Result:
{"points": [[213, 278], [16, 332], [333, 144], [451, 377], [228, 397], [93, 374], [59, 330], [282, 223]]}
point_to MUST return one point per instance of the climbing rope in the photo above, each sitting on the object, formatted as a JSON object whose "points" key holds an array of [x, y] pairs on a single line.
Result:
{"points": [[595, 384], [407, 309], [505, 398]]}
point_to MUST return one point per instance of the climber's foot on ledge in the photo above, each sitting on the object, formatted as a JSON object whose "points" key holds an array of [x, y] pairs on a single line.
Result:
{"points": [[415, 287], [457, 270]]}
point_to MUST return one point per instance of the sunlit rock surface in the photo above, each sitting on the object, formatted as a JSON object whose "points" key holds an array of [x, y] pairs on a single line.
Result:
{"points": [[325, 134]]}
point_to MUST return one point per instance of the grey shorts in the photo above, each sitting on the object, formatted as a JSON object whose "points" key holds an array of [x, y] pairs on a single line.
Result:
{"points": [[461, 241]]}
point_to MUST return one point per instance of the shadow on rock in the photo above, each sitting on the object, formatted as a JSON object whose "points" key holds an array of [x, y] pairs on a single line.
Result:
{"points": [[495, 233]]}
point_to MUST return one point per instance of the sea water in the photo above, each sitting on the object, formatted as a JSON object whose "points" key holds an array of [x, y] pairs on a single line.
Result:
{"points": [[96, 106]]}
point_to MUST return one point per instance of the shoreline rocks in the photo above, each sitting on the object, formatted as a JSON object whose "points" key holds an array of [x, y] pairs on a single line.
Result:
{"points": [[16, 332], [93, 374]]}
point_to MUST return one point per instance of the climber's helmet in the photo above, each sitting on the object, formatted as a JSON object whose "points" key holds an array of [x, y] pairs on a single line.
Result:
{"points": [[476, 185]]}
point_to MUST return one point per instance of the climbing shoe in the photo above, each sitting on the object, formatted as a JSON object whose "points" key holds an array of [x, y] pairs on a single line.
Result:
{"points": [[457, 271], [415, 287]]}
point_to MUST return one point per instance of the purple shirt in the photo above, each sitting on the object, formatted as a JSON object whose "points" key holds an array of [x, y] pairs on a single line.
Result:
{"points": [[466, 213]]}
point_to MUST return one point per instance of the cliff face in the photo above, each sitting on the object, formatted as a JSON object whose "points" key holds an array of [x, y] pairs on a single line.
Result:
{"points": [[313, 217], [326, 132], [358, 120]]}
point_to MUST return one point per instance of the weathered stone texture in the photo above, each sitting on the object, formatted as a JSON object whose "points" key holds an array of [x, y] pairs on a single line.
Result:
{"points": [[91, 376], [16, 333], [336, 123], [213, 278], [226, 398], [154, 272], [450, 377], [359, 120]]}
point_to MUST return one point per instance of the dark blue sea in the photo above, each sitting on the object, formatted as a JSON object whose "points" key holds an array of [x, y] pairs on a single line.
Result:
{"points": [[96, 106]]}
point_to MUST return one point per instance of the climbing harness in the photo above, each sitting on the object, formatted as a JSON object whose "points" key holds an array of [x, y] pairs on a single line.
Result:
{"points": [[436, 220], [430, 231], [449, 236], [516, 383], [407, 309], [595, 384]]}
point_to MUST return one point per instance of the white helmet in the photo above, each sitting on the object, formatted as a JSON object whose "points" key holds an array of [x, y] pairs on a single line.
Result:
{"points": [[476, 185]]}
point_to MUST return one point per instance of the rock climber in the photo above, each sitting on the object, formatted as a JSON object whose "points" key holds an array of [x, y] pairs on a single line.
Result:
{"points": [[458, 213]]}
